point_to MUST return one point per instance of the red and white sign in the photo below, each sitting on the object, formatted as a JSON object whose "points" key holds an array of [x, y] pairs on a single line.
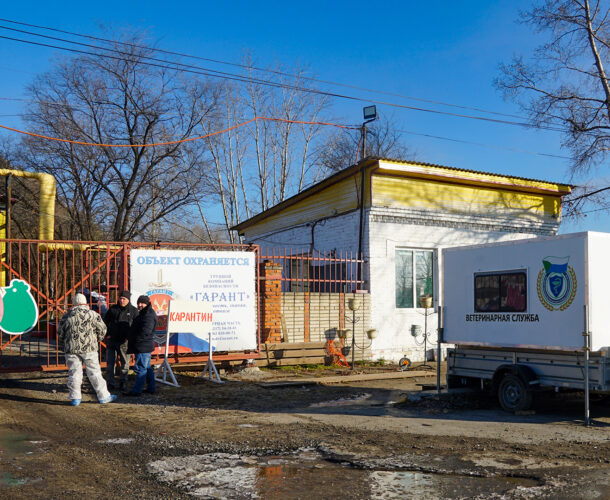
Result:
{"points": [[190, 317], [224, 280]]}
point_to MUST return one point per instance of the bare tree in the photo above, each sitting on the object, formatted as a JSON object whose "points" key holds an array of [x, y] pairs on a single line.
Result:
{"points": [[118, 193], [564, 84], [282, 147], [344, 148], [255, 167]]}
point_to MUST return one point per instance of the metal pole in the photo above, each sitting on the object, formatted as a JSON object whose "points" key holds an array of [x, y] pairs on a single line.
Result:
{"points": [[353, 336], [425, 336], [587, 340], [364, 140], [438, 349], [8, 207], [359, 270]]}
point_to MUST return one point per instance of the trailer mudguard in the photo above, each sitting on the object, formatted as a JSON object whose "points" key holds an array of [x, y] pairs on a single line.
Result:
{"points": [[522, 371]]}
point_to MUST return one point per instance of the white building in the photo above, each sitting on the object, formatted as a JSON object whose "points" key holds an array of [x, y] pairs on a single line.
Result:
{"points": [[410, 210]]}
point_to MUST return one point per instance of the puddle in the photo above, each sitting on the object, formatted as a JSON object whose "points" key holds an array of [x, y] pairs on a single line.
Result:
{"points": [[359, 398], [8, 480], [306, 474], [13, 444], [397, 484], [116, 441]]}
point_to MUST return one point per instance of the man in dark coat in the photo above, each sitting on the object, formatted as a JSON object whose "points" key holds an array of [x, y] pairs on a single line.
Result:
{"points": [[118, 319], [141, 343]]}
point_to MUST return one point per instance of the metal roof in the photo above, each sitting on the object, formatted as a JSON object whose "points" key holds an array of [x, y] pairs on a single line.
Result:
{"points": [[346, 172], [456, 169]]}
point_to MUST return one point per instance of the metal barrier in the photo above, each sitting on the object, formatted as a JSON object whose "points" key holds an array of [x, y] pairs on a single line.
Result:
{"points": [[333, 272], [55, 271]]}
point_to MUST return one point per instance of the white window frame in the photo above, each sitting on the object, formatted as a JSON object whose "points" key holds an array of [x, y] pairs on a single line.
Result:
{"points": [[415, 303]]}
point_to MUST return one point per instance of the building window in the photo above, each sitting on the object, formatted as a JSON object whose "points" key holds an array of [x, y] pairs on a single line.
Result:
{"points": [[500, 292], [414, 277]]}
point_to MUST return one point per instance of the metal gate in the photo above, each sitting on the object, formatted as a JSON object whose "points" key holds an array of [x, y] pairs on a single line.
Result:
{"points": [[55, 271]]}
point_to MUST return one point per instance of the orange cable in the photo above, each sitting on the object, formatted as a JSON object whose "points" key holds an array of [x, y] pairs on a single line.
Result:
{"points": [[256, 118]]}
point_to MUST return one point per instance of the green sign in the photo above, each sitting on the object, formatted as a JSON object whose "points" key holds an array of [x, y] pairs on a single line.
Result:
{"points": [[18, 309]]}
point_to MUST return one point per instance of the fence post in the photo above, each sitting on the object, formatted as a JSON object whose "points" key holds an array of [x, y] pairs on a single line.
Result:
{"points": [[270, 273], [306, 316]]}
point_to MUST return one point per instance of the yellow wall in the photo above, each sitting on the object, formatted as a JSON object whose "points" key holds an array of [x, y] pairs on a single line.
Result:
{"points": [[397, 192], [418, 186], [336, 199]]}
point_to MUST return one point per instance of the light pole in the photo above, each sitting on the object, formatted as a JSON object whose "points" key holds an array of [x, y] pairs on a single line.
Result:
{"points": [[353, 304], [370, 114]]}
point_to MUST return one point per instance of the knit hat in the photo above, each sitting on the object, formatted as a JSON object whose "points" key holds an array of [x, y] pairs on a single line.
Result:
{"points": [[143, 299], [126, 294], [79, 300]]}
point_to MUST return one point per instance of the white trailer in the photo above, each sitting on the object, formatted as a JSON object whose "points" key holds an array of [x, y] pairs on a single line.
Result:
{"points": [[529, 315]]}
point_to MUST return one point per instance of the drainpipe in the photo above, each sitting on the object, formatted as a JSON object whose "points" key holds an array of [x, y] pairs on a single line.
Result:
{"points": [[7, 217], [361, 230]]}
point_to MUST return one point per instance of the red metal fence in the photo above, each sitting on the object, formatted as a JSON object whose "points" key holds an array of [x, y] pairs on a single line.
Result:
{"points": [[325, 272], [56, 270]]}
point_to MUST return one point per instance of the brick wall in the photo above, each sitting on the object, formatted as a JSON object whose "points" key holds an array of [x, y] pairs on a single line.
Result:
{"points": [[326, 312], [270, 304]]}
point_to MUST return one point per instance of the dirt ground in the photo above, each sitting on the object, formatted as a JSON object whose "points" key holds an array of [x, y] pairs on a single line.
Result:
{"points": [[382, 438]]}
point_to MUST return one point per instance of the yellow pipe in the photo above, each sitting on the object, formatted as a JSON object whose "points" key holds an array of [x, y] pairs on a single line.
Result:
{"points": [[2, 247], [46, 211]]}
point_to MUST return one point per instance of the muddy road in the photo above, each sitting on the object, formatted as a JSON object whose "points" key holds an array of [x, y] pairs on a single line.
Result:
{"points": [[357, 439]]}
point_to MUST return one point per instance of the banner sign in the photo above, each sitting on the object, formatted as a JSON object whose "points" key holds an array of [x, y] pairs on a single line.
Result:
{"points": [[223, 280], [191, 317]]}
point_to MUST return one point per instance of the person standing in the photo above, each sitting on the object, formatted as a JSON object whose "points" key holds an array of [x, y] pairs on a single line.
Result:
{"points": [[141, 344], [119, 319], [80, 330]]}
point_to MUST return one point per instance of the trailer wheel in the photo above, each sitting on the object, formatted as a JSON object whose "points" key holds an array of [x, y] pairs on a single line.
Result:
{"points": [[514, 394]]}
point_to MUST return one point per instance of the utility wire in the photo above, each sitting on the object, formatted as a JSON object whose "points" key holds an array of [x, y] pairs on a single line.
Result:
{"points": [[249, 67], [587, 195], [409, 132], [178, 141], [483, 144], [587, 212], [242, 79]]}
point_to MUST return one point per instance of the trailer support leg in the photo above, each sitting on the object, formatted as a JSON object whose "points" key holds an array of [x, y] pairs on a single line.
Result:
{"points": [[587, 339], [439, 341]]}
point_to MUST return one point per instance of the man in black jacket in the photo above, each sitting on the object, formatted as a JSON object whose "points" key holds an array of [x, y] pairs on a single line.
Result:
{"points": [[141, 344], [118, 319]]}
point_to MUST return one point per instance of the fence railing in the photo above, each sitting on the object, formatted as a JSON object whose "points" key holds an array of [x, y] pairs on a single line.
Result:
{"points": [[56, 270], [325, 272]]}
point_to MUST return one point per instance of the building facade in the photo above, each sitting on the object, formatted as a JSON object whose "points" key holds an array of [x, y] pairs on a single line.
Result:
{"points": [[398, 215]]}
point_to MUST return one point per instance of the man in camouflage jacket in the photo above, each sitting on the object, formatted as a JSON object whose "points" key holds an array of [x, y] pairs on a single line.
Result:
{"points": [[80, 331]]}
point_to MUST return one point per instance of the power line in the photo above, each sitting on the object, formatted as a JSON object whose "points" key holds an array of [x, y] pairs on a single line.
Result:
{"points": [[250, 67], [483, 144], [587, 195], [586, 212], [409, 132], [239, 78], [177, 141]]}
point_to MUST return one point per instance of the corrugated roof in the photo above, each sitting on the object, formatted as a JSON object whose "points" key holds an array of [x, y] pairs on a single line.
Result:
{"points": [[346, 172], [456, 169]]}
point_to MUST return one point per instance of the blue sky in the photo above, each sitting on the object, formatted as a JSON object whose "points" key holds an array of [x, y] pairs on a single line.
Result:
{"points": [[436, 50]]}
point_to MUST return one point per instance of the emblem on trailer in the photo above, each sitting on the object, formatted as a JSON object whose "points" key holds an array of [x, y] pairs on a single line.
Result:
{"points": [[556, 283]]}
